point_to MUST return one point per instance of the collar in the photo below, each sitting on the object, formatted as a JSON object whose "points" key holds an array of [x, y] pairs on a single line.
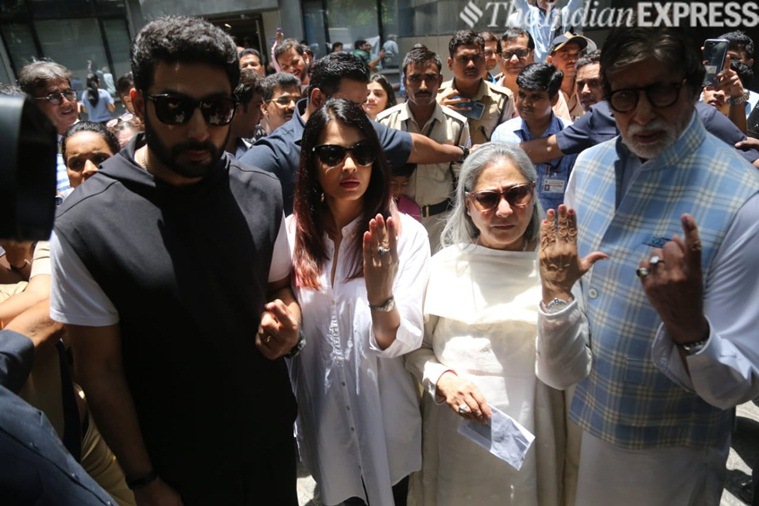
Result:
{"points": [[405, 114]]}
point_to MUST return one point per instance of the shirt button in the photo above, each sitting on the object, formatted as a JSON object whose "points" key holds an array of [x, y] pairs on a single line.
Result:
{"points": [[342, 383], [592, 293], [73, 475], [348, 408], [353, 429]]}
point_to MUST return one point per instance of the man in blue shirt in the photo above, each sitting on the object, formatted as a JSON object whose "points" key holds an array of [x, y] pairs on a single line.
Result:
{"points": [[539, 86]]}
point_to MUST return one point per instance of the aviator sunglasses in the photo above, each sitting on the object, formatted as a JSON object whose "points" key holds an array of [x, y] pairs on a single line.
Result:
{"points": [[518, 195], [333, 155], [178, 109]]}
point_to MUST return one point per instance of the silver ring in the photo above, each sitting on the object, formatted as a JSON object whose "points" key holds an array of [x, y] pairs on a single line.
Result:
{"points": [[642, 272], [656, 260], [463, 409], [383, 250]]}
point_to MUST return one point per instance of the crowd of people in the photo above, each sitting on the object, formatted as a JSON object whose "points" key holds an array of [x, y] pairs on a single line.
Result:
{"points": [[245, 264]]}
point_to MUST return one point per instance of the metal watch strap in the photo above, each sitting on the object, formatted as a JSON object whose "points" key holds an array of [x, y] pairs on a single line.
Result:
{"points": [[693, 348], [386, 307], [556, 305], [298, 346]]}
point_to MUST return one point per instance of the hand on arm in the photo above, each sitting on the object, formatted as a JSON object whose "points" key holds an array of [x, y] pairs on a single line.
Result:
{"points": [[99, 369], [380, 268], [463, 397], [560, 264], [279, 331]]}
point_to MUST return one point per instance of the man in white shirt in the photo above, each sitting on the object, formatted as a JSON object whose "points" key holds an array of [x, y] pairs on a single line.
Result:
{"points": [[672, 212]]}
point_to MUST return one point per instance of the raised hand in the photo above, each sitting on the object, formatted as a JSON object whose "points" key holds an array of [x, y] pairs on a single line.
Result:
{"points": [[673, 283], [380, 259], [560, 264]]}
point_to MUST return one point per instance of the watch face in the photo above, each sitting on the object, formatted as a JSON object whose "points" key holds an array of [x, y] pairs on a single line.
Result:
{"points": [[556, 305]]}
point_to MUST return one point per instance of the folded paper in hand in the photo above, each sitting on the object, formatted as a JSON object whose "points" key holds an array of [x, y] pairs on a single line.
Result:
{"points": [[503, 436]]}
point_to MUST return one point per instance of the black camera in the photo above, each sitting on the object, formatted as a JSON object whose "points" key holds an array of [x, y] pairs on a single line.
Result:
{"points": [[28, 148]]}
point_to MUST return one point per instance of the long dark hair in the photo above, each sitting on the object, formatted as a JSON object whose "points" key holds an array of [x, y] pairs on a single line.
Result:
{"points": [[92, 93], [310, 251]]}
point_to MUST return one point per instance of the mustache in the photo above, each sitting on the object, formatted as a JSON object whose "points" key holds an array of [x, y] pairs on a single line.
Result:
{"points": [[195, 146], [656, 124]]}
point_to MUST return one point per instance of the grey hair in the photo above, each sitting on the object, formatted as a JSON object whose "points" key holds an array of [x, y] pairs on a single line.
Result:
{"points": [[460, 228], [36, 75]]}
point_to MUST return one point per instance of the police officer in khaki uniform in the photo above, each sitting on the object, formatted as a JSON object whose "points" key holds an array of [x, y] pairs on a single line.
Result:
{"points": [[485, 105], [431, 185]]}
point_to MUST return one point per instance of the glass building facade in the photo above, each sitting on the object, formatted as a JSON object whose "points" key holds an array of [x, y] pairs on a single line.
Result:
{"points": [[87, 36]]}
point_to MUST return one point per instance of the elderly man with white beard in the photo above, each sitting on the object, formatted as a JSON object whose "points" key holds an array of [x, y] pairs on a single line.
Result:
{"points": [[672, 213]]}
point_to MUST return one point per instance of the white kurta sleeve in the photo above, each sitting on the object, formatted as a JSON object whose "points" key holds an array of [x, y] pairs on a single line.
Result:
{"points": [[563, 355], [725, 373], [408, 290]]}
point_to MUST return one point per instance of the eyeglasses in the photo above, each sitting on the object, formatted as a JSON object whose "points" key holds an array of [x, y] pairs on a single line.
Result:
{"points": [[489, 53], [333, 155], [178, 109], [427, 78], [658, 95], [57, 97], [284, 100], [518, 195], [520, 53], [112, 123]]}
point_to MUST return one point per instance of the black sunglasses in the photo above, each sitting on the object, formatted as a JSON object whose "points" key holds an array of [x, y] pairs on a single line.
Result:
{"points": [[333, 155], [520, 53], [178, 109], [57, 97], [518, 195]]}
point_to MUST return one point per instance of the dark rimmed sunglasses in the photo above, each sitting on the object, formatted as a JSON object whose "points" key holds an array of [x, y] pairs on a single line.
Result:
{"points": [[57, 97], [178, 109], [518, 195], [333, 155]]}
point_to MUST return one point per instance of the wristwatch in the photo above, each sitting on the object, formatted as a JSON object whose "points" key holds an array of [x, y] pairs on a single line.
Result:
{"points": [[739, 100], [386, 307], [693, 348], [298, 346], [556, 305], [464, 153]]}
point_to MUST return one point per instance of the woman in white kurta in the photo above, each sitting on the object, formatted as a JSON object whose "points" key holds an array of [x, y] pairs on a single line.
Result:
{"points": [[479, 343], [360, 273]]}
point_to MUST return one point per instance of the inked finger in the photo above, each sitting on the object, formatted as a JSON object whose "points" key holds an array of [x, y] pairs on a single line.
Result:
{"points": [[692, 242]]}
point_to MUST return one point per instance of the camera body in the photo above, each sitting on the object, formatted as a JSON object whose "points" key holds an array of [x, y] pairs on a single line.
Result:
{"points": [[28, 149]]}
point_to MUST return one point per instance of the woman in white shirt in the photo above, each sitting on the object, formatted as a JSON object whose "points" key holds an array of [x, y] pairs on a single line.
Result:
{"points": [[360, 271], [479, 342]]}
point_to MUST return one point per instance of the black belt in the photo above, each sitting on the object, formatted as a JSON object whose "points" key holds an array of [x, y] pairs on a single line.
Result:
{"points": [[438, 208]]}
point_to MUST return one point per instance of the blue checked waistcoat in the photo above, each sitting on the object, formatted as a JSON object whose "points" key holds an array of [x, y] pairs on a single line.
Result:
{"points": [[626, 400]]}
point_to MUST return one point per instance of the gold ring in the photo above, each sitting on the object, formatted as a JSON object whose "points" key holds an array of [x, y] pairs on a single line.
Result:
{"points": [[267, 339]]}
